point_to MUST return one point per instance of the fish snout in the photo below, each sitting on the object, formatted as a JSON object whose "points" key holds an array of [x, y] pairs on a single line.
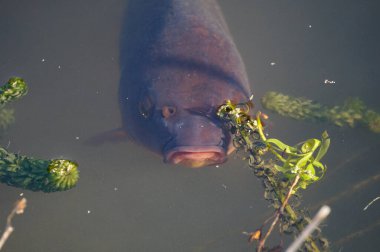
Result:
{"points": [[197, 142], [196, 156]]}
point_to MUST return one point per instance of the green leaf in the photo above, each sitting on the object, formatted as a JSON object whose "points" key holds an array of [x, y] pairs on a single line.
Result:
{"points": [[309, 174], [324, 146], [321, 167], [303, 161], [310, 145], [281, 168], [281, 146], [303, 184]]}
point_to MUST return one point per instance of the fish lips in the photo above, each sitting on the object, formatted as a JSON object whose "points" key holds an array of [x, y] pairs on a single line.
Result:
{"points": [[197, 141], [196, 156]]}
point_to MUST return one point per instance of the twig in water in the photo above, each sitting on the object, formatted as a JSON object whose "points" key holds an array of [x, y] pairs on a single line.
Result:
{"points": [[18, 209], [278, 214], [370, 203], [319, 217]]}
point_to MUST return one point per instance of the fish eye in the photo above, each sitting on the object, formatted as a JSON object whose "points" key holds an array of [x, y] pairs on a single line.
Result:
{"points": [[146, 107], [168, 111]]}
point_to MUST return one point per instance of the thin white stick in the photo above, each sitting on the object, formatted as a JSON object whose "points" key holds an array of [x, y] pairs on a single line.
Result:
{"points": [[370, 203], [318, 218], [18, 209], [8, 231]]}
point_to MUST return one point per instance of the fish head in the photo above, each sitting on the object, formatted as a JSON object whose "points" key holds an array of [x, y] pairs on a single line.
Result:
{"points": [[181, 124], [192, 137]]}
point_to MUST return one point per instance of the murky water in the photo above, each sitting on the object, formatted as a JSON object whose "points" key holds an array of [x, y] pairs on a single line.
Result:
{"points": [[127, 199]]}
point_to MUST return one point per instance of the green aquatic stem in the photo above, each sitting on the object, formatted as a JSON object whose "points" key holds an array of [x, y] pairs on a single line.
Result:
{"points": [[352, 113], [37, 174]]}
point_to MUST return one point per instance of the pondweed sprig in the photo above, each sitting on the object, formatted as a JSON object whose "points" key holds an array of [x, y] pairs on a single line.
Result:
{"points": [[287, 169], [352, 113]]}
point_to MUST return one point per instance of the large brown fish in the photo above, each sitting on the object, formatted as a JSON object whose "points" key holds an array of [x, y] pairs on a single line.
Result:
{"points": [[178, 64]]}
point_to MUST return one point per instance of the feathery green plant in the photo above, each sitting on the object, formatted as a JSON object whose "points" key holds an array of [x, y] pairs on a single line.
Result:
{"points": [[37, 174], [352, 113]]}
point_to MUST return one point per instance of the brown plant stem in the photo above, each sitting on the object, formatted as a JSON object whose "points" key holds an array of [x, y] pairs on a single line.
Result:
{"points": [[278, 213]]}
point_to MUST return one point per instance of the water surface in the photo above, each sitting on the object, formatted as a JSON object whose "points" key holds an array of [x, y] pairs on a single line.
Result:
{"points": [[127, 199]]}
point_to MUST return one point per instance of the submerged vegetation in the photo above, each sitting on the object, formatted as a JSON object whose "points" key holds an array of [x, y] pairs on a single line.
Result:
{"points": [[27, 172], [14, 89], [284, 171], [352, 113], [37, 174]]}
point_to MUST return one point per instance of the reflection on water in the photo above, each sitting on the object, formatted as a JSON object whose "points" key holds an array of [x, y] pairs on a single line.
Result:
{"points": [[68, 53]]}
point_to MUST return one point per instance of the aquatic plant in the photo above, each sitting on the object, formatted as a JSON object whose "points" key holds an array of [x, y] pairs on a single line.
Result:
{"points": [[284, 171], [27, 172], [37, 174], [352, 113], [14, 89]]}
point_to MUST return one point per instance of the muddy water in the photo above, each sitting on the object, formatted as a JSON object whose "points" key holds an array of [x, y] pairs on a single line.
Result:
{"points": [[127, 199]]}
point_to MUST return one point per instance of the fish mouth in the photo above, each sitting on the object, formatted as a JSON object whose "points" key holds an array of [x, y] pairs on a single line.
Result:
{"points": [[196, 156]]}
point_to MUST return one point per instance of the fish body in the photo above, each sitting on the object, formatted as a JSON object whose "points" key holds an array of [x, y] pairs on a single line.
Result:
{"points": [[178, 65]]}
